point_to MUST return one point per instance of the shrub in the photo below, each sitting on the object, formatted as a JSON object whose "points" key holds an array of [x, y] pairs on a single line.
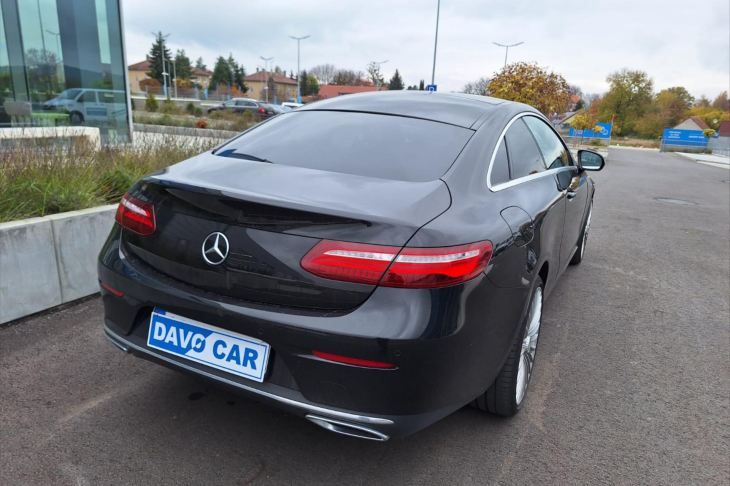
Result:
{"points": [[170, 108], [595, 142], [201, 124], [197, 112], [151, 104], [41, 181], [190, 108], [248, 116]]}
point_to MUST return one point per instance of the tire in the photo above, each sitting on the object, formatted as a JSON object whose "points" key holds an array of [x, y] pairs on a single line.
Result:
{"points": [[76, 118], [583, 240], [503, 397]]}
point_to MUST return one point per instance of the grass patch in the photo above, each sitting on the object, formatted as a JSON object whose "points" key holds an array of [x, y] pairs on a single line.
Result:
{"points": [[635, 142], [41, 181]]}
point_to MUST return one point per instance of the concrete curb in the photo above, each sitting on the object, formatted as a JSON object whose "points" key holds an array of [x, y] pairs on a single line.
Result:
{"points": [[188, 132], [48, 261]]}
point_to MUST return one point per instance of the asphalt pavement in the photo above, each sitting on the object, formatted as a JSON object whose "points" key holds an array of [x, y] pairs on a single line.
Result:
{"points": [[632, 384]]}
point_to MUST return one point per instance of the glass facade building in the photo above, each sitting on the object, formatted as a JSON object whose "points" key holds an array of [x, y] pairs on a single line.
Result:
{"points": [[62, 63]]}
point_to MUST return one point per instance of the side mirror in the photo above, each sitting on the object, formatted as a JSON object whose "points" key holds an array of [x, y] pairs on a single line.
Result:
{"points": [[589, 160]]}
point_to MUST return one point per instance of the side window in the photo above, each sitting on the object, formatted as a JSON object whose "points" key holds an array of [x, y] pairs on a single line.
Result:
{"points": [[88, 97], [553, 150], [500, 166], [524, 155], [241, 103], [230, 103]]}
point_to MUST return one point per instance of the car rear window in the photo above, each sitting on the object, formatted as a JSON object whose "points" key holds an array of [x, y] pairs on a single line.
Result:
{"points": [[365, 144]]}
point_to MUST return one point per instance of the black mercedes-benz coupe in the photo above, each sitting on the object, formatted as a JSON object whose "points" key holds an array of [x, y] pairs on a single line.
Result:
{"points": [[370, 262]]}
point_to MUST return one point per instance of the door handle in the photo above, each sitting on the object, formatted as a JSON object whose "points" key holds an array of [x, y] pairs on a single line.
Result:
{"points": [[571, 194]]}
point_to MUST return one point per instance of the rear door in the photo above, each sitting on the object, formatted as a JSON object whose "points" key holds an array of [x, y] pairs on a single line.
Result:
{"points": [[534, 192], [570, 181]]}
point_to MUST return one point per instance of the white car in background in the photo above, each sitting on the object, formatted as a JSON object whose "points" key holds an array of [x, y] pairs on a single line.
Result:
{"points": [[95, 106], [292, 105]]}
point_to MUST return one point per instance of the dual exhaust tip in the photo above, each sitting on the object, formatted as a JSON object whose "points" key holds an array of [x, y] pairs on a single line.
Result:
{"points": [[346, 428]]}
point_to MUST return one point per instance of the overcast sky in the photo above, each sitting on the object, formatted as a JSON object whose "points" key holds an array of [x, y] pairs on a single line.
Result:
{"points": [[678, 42]]}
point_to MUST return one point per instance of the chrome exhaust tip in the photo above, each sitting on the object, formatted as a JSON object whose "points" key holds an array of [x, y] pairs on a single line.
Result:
{"points": [[346, 428], [117, 344]]}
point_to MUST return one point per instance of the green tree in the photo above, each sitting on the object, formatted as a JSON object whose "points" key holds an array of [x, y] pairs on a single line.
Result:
{"points": [[628, 98], [703, 102], [422, 85], [182, 65], [200, 64], [221, 73], [237, 73], [526, 83], [374, 74], [312, 85], [396, 82], [158, 50]]}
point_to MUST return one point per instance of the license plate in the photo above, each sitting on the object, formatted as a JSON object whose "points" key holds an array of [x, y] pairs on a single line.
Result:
{"points": [[224, 350]]}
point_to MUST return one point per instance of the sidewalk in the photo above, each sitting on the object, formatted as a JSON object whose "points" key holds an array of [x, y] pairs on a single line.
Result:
{"points": [[713, 160]]}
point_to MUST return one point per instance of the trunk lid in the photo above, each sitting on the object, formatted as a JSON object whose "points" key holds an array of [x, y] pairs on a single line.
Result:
{"points": [[272, 215]]}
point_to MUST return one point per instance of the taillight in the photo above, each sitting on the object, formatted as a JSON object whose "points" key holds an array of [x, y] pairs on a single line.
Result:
{"points": [[392, 267], [350, 262], [136, 215], [261, 110]]}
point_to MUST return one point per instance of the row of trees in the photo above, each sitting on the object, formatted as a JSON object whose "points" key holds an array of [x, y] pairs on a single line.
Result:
{"points": [[630, 101], [329, 74], [638, 110], [226, 71]]}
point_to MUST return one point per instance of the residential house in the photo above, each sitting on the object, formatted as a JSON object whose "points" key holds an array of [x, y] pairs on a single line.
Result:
{"points": [[692, 123], [284, 88], [332, 90], [138, 72]]}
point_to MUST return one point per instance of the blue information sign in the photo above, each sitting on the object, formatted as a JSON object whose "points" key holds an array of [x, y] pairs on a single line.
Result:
{"points": [[604, 133], [686, 138], [431, 87]]}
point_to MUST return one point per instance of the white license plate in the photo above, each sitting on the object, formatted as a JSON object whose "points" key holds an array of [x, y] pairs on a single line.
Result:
{"points": [[237, 354]]}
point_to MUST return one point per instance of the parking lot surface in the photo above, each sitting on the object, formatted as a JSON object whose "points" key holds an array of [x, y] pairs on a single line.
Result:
{"points": [[632, 384]]}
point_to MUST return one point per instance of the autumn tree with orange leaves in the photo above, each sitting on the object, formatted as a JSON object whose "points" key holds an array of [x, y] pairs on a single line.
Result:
{"points": [[530, 84]]}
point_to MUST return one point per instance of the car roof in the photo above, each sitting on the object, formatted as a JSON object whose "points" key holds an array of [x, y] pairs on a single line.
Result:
{"points": [[452, 108]]}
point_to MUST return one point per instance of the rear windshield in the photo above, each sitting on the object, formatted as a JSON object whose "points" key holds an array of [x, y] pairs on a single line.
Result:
{"points": [[381, 146]]}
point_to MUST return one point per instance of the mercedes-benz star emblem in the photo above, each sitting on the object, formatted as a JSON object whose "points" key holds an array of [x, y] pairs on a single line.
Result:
{"points": [[215, 248]]}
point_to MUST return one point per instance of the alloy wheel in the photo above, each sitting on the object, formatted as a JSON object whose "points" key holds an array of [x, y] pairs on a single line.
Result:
{"points": [[585, 231], [529, 346]]}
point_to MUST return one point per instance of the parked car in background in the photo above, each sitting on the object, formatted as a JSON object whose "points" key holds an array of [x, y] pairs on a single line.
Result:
{"points": [[371, 262], [93, 106], [291, 104], [278, 110], [286, 109], [239, 105]]}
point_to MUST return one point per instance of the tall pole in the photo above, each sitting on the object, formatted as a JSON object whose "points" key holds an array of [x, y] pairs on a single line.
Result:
{"points": [[436, 42], [174, 70], [506, 49], [299, 90], [266, 63], [377, 78]]}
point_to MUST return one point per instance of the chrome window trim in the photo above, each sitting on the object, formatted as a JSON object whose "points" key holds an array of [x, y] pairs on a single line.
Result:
{"points": [[122, 343], [532, 177]]}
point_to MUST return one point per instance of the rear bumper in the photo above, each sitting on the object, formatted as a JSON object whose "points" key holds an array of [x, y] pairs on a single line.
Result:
{"points": [[447, 345], [377, 427]]}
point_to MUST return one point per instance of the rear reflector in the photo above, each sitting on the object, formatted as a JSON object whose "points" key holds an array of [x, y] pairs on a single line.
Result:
{"points": [[136, 215], [112, 290], [353, 361], [392, 267]]}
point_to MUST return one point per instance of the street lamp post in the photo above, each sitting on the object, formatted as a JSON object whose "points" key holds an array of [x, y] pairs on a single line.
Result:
{"points": [[377, 78], [299, 91], [506, 49], [165, 75], [436, 43], [174, 71], [266, 63]]}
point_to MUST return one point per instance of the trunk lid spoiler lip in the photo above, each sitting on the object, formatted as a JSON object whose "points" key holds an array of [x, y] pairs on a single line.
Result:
{"points": [[391, 202]]}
